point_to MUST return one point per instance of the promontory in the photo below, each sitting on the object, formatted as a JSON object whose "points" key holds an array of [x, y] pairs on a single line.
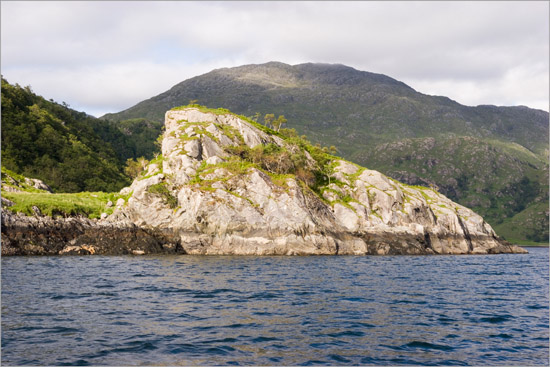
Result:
{"points": [[226, 185]]}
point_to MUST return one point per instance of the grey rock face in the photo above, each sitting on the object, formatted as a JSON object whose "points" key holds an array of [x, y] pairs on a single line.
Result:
{"points": [[250, 212], [37, 184]]}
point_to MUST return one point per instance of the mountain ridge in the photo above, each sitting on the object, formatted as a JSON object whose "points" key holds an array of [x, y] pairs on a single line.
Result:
{"points": [[373, 89]]}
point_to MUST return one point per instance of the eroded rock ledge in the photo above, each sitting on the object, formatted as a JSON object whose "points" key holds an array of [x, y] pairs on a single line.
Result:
{"points": [[199, 198]]}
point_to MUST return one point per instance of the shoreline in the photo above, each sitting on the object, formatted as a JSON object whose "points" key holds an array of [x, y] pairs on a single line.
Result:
{"points": [[45, 236]]}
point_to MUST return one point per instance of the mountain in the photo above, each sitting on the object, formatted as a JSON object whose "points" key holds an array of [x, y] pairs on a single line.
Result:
{"points": [[225, 185], [493, 159], [62, 147], [324, 100]]}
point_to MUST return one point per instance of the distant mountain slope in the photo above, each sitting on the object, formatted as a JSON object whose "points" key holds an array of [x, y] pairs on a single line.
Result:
{"points": [[383, 124]]}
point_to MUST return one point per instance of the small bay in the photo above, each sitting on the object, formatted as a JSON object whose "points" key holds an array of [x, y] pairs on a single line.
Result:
{"points": [[319, 310]]}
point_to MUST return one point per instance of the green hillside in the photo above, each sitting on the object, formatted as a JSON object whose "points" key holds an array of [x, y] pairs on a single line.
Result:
{"points": [[494, 159]]}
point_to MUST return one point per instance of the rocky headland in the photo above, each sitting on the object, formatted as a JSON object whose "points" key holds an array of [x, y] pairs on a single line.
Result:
{"points": [[225, 185]]}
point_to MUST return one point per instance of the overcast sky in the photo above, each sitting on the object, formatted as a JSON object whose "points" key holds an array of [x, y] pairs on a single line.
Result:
{"points": [[106, 56]]}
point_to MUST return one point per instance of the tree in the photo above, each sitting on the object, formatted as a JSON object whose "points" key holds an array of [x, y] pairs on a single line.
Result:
{"points": [[268, 119], [281, 120]]}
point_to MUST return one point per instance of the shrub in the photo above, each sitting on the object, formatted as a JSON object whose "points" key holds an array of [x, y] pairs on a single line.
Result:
{"points": [[161, 190]]}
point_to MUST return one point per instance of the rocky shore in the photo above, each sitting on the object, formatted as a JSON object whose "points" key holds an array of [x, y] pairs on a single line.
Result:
{"points": [[33, 235], [206, 196], [41, 235]]}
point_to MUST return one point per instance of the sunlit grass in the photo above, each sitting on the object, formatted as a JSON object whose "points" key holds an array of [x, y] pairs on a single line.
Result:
{"points": [[88, 204]]}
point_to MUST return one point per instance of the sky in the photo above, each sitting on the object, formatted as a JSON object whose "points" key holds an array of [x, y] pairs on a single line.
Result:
{"points": [[106, 56]]}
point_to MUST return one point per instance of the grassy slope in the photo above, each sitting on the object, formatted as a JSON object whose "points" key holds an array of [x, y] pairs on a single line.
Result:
{"points": [[523, 227], [88, 204]]}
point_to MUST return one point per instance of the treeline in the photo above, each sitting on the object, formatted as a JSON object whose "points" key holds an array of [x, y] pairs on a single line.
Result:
{"points": [[69, 150]]}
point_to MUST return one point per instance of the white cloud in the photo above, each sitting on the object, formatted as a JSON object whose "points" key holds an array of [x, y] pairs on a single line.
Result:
{"points": [[107, 88], [107, 56]]}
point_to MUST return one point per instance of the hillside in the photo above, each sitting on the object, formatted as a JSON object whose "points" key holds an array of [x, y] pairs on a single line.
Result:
{"points": [[329, 99], [53, 143], [69, 150], [381, 123]]}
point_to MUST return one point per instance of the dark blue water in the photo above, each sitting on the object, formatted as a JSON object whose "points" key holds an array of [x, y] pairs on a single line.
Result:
{"points": [[185, 310]]}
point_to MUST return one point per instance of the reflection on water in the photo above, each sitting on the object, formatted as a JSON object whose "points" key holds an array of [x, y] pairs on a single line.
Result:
{"points": [[191, 310]]}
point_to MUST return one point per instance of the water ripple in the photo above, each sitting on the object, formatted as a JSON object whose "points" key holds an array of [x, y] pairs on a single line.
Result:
{"points": [[185, 310]]}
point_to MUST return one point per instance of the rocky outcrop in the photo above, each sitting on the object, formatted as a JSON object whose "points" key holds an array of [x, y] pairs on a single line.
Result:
{"points": [[17, 183], [212, 203]]}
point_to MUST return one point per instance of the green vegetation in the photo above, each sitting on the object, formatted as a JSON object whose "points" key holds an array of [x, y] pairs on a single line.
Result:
{"points": [[69, 150], [88, 204], [161, 190], [276, 124], [28, 199], [291, 160], [51, 142], [140, 138], [130, 138], [310, 164], [135, 167], [528, 227]]}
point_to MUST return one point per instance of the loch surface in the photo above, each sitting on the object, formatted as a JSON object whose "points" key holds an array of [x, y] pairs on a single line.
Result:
{"points": [[227, 310]]}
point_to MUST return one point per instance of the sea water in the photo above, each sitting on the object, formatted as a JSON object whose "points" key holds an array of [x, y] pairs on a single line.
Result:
{"points": [[320, 310]]}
